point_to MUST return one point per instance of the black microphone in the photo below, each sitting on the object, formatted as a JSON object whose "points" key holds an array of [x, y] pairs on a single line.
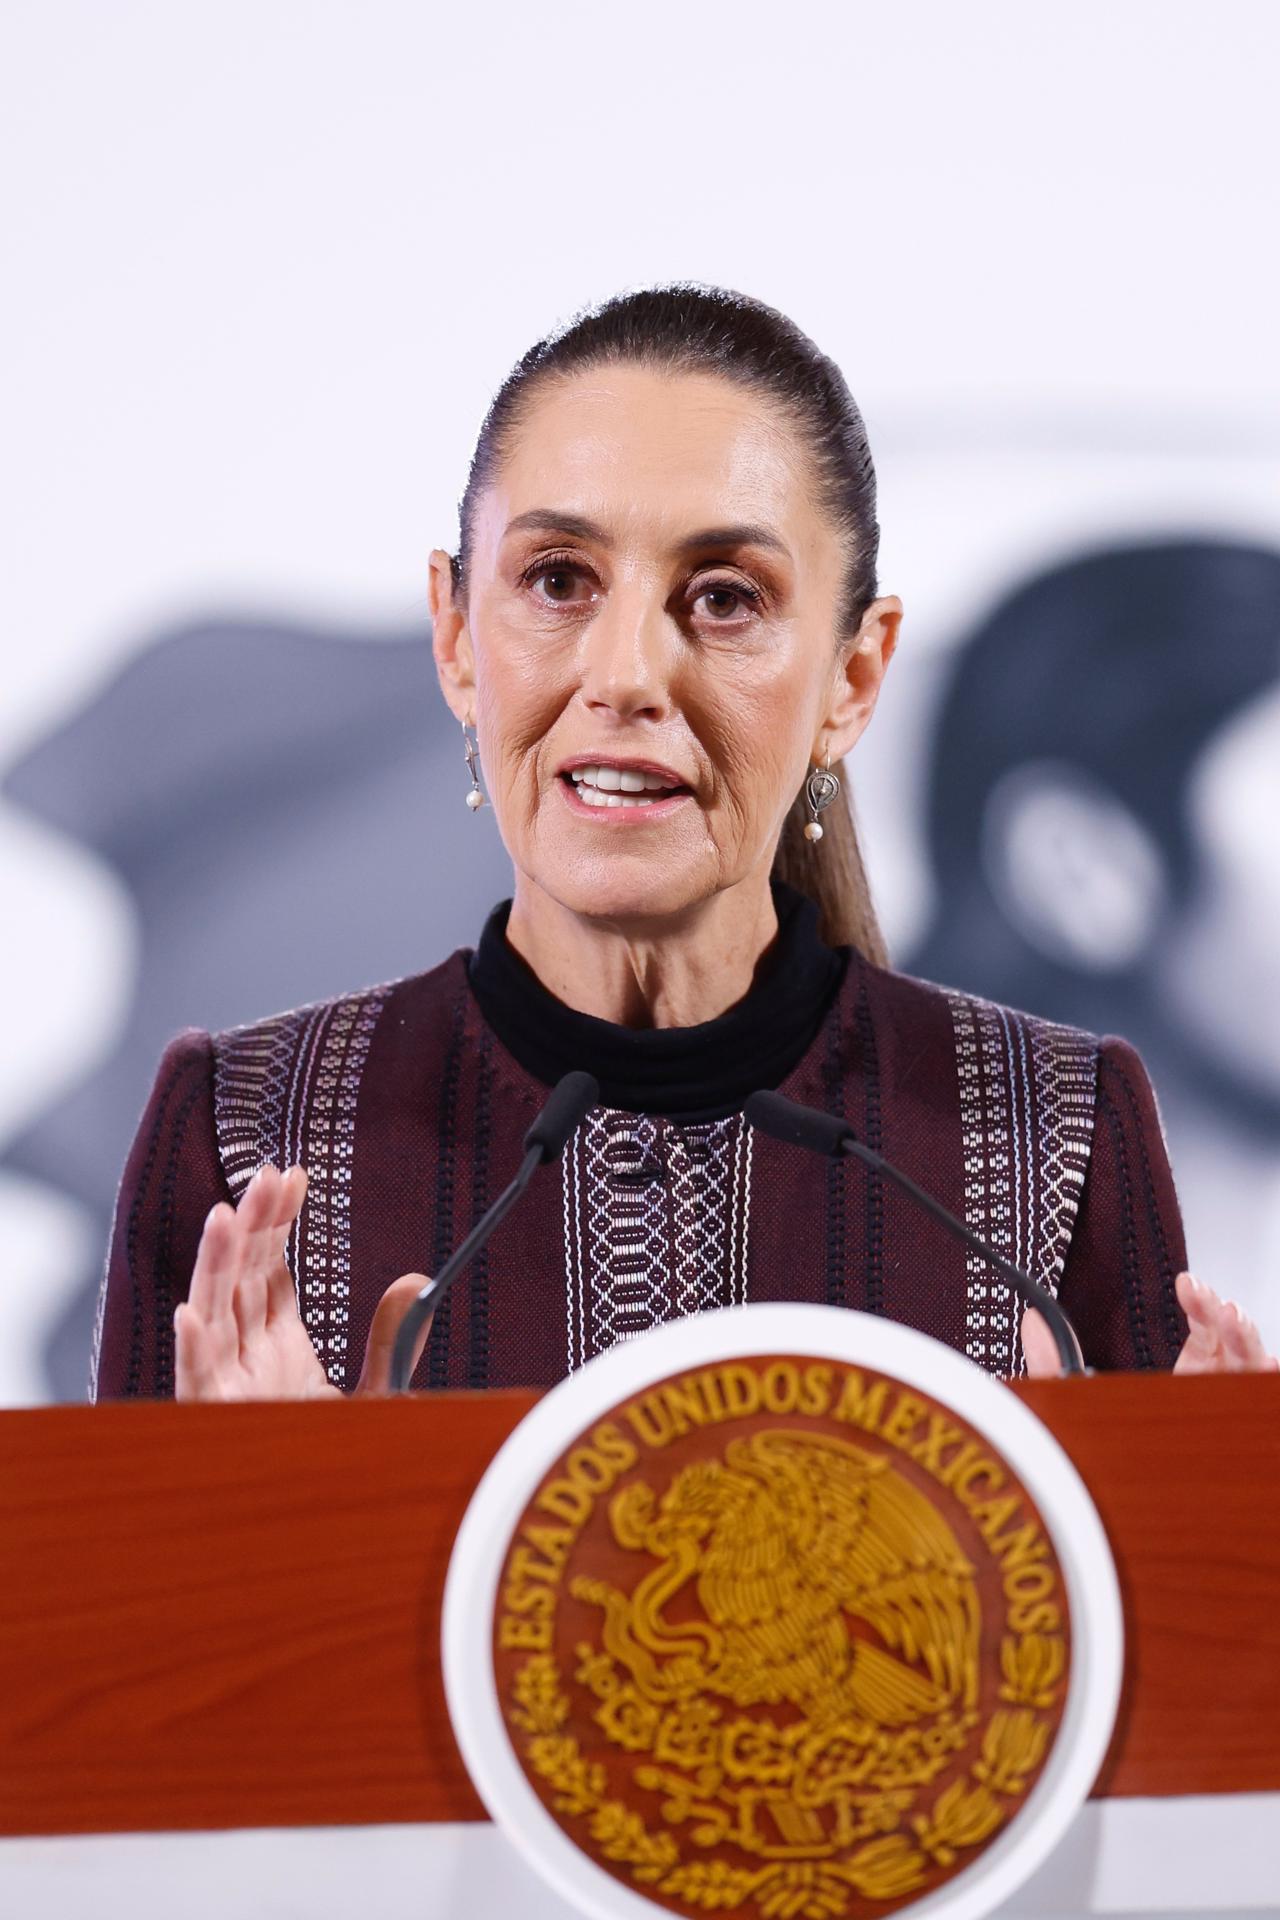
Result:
{"points": [[800, 1126], [567, 1102], [565, 1105]]}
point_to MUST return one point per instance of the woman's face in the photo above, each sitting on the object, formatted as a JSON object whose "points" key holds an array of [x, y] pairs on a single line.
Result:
{"points": [[653, 594]]}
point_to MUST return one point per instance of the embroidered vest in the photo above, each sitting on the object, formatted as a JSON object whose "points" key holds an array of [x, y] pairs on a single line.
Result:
{"points": [[657, 1215]]}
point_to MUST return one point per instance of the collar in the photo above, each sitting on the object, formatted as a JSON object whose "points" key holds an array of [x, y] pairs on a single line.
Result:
{"points": [[695, 1073]]}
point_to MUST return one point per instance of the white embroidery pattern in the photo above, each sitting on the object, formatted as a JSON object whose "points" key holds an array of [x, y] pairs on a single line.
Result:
{"points": [[656, 1220], [1065, 1072], [1027, 1092], [285, 1090]]}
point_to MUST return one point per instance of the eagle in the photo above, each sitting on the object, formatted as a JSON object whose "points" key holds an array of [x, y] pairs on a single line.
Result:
{"points": [[823, 1578]]}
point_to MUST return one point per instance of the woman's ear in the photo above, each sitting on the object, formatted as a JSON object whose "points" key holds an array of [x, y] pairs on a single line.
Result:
{"points": [[450, 639], [857, 683]]}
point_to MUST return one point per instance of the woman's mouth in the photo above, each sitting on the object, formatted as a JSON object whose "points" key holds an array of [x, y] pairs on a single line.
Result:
{"points": [[622, 792]]}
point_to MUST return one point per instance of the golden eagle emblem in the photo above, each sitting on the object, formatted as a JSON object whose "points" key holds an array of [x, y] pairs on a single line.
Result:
{"points": [[791, 1545], [755, 1679]]}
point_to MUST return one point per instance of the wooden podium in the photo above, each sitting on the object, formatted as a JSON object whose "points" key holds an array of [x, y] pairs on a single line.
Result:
{"points": [[228, 1617]]}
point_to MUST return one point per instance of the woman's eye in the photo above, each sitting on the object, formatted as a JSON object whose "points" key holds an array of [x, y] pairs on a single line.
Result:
{"points": [[724, 598], [558, 581], [557, 577]]}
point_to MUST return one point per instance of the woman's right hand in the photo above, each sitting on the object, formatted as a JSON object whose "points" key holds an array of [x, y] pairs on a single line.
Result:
{"points": [[239, 1336]]}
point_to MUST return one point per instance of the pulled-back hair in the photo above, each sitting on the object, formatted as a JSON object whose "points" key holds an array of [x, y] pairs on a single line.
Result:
{"points": [[688, 328]]}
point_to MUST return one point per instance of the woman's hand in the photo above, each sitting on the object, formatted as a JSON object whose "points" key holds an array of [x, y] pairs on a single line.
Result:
{"points": [[238, 1336], [1221, 1340]]}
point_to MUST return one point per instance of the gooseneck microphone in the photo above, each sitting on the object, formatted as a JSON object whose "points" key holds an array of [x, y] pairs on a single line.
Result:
{"points": [[564, 1107], [801, 1126]]}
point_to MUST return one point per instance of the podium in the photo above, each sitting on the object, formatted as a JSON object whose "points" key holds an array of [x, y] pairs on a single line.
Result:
{"points": [[221, 1620]]}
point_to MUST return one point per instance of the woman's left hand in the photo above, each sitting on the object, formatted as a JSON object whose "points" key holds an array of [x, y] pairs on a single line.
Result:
{"points": [[1221, 1340]]}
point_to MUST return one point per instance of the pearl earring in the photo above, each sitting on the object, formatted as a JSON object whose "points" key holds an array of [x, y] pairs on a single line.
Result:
{"points": [[821, 788], [472, 749]]}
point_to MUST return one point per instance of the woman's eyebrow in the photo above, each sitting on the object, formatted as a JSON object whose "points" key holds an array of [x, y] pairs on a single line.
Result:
{"points": [[551, 520], [741, 534], [744, 534]]}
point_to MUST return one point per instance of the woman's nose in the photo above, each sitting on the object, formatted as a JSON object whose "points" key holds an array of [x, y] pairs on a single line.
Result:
{"points": [[626, 657]]}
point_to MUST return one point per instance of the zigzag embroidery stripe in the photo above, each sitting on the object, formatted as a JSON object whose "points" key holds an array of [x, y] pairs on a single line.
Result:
{"points": [[286, 1091], [1027, 1102], [577, 1229], [566, 1191], [748, 1134], [1064, 1064], [660, 1212], [572, 1253], [294, 1149], [733, 1214], [1021, 1177], [986, 1124], [251, 1077], [627, 1229], [299, 1089]]}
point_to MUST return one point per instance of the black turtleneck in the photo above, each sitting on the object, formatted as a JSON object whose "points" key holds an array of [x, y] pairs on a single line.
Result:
{"points": [[687, 1073]]}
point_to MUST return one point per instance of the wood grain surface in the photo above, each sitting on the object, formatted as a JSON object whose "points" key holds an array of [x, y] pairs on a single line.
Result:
{"points": [[229, 1616]]}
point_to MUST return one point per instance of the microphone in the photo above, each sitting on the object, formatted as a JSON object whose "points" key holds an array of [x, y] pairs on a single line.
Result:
{"points": [[564, 1107], [562, 1110], [801, 1126]]}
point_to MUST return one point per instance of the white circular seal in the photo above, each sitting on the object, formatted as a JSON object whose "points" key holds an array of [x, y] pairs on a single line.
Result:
{"points": [[837, 1335]]}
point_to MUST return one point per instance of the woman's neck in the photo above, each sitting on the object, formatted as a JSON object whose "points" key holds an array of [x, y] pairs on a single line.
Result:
{"points": [[677, 971]]}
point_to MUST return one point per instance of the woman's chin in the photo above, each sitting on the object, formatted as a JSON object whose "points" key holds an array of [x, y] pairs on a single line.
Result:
{"points": [[626, 886]]}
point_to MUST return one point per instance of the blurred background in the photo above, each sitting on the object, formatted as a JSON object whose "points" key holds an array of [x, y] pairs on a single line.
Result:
{"points": [[267, 264]]}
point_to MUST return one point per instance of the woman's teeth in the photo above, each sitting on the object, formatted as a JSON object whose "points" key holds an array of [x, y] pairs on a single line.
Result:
{"points": [[619, 786]]}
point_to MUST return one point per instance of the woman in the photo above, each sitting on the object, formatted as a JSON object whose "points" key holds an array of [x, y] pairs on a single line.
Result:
{"points": [[661, 629]]}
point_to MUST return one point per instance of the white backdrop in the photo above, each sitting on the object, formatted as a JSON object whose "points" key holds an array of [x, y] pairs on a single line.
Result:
{"points": [[268, 260]]}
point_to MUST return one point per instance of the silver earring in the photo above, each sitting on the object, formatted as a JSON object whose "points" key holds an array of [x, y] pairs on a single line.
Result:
{"points": [[821, 789], [472, 750]]}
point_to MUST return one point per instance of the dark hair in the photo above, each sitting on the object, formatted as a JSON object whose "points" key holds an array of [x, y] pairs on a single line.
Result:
{"points": [[689, 328]]}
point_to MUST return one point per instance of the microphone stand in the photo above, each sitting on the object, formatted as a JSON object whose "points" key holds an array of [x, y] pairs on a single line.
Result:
{"points": [[801, 1126], [565, 1106]]}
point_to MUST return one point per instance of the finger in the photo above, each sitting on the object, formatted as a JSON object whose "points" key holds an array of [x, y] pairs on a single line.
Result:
{"points": [[1204, 1350], [256, 1205], [1039, 1347], [257, 1213], [1243, 1341], [217, 1267], [196, 1373], [1222, 1338], [1201, 1352], [289, 1197], [1260, 1361], [1198, 1301], [222, 1253], [282, 1297], [1187, 1288], [375, 1375]]}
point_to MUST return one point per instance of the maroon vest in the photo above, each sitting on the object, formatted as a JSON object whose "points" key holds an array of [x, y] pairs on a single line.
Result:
{"points": [[408, 1113]]}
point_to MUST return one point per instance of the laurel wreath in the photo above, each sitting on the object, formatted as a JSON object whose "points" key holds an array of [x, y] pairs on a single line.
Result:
{"points": [[965, 1813]]}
